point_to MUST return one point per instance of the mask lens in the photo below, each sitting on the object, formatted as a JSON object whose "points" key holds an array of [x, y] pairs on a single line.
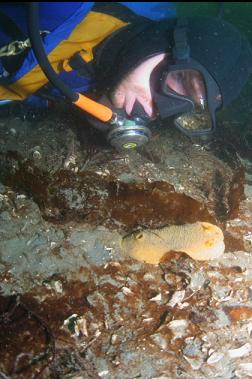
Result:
{"points": [[198, 120], [190, 83]]}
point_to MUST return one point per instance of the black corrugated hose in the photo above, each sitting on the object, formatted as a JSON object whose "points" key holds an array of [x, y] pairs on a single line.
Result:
{"points": [[40, 54]]}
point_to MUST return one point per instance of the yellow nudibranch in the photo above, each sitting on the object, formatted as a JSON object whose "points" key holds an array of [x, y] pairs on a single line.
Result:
{"points": [[200, 240]]}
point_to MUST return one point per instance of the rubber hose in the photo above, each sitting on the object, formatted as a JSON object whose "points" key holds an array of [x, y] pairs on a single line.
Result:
{"points": [[40, 54]]}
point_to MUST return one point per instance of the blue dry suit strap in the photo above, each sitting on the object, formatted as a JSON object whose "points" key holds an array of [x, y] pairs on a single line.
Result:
{"points": [[181, 49]]}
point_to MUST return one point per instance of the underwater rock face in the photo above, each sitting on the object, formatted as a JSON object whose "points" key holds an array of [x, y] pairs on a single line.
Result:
{"points": [[201, 241], [95, 199], [79, 178], [73, 306]]}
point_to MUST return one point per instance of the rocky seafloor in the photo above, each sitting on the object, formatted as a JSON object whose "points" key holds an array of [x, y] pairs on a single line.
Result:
{"points": [[71, 305]]}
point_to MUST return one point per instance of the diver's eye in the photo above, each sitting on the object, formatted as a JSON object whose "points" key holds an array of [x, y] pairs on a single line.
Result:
{"points": [[139, 236]]}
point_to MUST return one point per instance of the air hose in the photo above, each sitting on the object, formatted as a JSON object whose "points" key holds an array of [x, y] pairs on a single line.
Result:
{"points": [[90, 106]]}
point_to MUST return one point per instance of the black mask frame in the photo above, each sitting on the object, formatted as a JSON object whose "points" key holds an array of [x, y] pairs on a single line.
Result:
{"points": [[169, 102], [213, 97]]}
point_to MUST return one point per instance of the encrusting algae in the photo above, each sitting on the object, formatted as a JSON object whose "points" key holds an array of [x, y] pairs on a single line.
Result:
{"points": [[201, 241]]}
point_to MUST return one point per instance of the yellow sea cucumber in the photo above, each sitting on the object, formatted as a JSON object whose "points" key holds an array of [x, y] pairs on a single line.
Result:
{"points": [[200, 240]]}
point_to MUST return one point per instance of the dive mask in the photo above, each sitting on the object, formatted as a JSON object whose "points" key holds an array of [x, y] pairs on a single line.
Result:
{"points": [[189, 94], [186, 90]]}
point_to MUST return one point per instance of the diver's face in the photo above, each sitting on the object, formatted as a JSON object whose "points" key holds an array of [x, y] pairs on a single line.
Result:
{"points": [[135, 87]]}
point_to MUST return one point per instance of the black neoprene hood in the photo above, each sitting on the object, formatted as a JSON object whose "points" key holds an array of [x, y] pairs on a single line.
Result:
{"points": [[216, 44], [223, 51]]}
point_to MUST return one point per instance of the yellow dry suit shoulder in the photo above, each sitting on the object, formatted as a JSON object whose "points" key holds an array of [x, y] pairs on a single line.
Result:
{"points": [[78, 34]]}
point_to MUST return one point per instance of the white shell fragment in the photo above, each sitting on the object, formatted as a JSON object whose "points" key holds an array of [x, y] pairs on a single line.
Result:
{"points": [[244, 369], [58, 286], [77, 325], [81, 327], [157, 298], [150, 319], [36, 154], [240, 352], [194, 362], [127, 291], [178, 328], [215, 357], [103, 373], [160, 341], [176, 298], [113, 339], [13, 131]]}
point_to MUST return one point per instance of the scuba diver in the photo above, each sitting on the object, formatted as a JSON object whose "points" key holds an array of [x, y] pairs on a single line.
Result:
{"points": [[124, 64]]}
